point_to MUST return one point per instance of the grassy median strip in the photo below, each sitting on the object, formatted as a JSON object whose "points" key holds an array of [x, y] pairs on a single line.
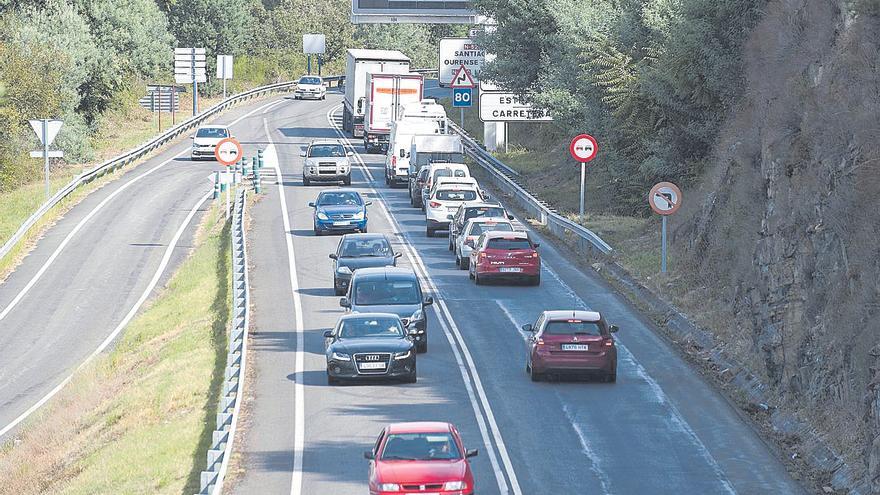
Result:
{"points": [[139, 419]]}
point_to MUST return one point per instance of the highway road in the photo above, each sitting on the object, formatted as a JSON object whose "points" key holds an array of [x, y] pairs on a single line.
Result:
{"points": [[91, 272], [660, 429]]}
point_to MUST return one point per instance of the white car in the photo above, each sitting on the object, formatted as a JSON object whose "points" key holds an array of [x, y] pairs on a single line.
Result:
{"points": [[439, 169], [464, 243], [444, 201], [205, 140], [311, 87]]}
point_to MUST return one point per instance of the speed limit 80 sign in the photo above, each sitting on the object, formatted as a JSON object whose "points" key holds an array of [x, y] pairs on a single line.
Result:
{"points": [[462, 97]]}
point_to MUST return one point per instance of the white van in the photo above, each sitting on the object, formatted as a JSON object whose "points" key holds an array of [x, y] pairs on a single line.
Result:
{"points": [[441, 169], [397, 159]]}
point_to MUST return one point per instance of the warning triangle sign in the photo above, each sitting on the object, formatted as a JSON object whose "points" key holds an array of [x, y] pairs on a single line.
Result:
{"points": [[462, 79]]}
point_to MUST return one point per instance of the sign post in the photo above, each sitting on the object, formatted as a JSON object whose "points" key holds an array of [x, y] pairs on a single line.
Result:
{"points": [[46, 130], [190, 68], [583, 149], [228, 152], [664, 199]]}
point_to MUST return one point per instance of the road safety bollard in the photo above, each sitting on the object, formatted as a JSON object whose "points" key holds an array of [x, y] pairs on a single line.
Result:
{"points": [[260, 158], [254, 167], [245, 167], [216, 185], [258, 184]]}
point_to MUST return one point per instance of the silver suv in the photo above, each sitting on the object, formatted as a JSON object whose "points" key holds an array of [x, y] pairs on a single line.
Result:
{"points": [[326, 161]]}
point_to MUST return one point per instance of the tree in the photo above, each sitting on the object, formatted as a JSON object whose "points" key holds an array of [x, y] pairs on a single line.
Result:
{"points": [[221, 26]]}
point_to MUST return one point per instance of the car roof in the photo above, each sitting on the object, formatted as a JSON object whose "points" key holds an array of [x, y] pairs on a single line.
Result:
{"points": [[310, 75], [480, 204], [420, 427], [456, 180], [365, 236], [436, 165], [496, 234], [488, 220], [385, 272], [577, 314], [213, 126], [339, 190], [324, 141], [352, 316]]}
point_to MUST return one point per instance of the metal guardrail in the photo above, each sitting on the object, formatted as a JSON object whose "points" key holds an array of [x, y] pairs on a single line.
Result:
{"points": [[507, 180], [218, 456]]}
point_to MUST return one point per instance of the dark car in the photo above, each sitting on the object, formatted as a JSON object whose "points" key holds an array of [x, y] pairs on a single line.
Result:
{"points": [[473, 210], [339, 210], [416, 183], [369, 345], [571, 342], [359, 251], [391, 290]]}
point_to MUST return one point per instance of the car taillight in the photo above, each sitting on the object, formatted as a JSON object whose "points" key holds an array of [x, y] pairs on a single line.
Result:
{"points": [[435, 204], [609, 342], [539, 342], [394, 160], [482, 255], [535, 254]]}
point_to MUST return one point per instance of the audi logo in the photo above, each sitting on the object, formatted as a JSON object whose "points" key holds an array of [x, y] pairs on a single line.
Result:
{"points": [[372, 357]]}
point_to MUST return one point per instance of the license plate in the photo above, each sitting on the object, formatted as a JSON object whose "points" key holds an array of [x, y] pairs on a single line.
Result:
{"points": [[341, 223], [371, 366], [507, 269], [575, 347]]}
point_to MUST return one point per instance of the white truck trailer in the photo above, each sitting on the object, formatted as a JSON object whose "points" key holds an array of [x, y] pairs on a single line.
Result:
{"points": [[359, 63]]}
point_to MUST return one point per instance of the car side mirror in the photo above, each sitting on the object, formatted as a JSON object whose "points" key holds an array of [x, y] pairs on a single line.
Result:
{"points": [[312, 204], [368, 455], [485, 194], [368, 203], [536, 245], [528, 328], [349, 153], [328, 334], [469, 243], [402, 153], [333, 256], [429, 301], [471, 453], [449, 217], [344, 302], [397, 255], [411, 329], [613, 328], [192, 137], [509, 216], [302, 154]]}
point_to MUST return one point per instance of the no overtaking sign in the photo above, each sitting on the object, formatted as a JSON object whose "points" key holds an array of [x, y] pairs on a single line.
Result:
{"points": [[228, 151]]}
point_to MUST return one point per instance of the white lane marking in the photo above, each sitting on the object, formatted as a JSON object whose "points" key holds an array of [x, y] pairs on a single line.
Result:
{"points": [[516, 325], [125, 321], [269, 107], [131, 313], [417, 262], [88, 217], [595, 460], [271, 158]]}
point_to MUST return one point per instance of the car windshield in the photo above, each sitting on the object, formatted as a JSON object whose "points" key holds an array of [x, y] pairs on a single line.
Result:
{"points": [[309, 80], [484, 212], [381, 292], [509, 244], [572, 327], [370, 327], [448, 172], [420, 447], [326, 150], [357, 248], [340, 198], [455, 195], [479, 228], [212, 132]]}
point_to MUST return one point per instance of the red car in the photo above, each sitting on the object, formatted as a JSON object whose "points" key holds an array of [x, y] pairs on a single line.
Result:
{"points": [[571, 342], [422, 457], [498, 255]]}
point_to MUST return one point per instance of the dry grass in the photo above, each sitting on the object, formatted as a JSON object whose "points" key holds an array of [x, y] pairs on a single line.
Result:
{"points": [[137, 419]]}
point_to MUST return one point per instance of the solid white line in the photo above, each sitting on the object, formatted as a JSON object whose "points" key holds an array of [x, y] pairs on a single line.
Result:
{"points": [[271, 158], [125, 321], [417, 262], [131, 313]]}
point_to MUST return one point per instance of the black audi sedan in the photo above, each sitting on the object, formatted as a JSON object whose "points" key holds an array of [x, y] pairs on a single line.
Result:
{"points": [[369, 346], [359, 251]]}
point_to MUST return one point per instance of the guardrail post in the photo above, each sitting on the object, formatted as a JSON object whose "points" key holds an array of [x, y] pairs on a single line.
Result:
{"points": [[216, 185]]}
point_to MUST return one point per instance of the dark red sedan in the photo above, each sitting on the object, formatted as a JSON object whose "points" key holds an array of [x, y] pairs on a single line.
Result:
{"points": [[505, 255], [571, 342], [421, 457]]}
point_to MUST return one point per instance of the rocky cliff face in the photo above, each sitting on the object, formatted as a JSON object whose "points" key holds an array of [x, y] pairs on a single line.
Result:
{"points": [[787, 223]]}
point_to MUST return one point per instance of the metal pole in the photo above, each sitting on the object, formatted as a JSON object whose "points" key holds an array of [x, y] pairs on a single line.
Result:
{"points": [[583, 185], [663, 248], [173, 101], [223, 58], [506, 138], [195, 84], [462, 117], [160, 109], [228, 187], [309, 64], [46, 154]]}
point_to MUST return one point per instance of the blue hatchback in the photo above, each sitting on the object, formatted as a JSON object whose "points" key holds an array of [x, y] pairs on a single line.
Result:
{"points": [[341, 210]]}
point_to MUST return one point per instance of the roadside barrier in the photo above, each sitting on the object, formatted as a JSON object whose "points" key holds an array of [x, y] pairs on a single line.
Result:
{"points": [[231, 393], [507, 179]]}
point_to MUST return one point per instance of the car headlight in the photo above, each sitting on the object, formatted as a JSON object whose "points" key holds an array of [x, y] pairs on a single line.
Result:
{"points": [[340, 356], [359, 215], [417, 316], [403, 355], [389, 487], [322, 216], [454, 485], [343, 270]]}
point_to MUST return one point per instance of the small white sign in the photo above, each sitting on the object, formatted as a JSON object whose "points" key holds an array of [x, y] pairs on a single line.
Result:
{"points": [[507, 107], [455, 52], [224, 66], [52, 154], [314, 44], [189, 51], [52, 128]]}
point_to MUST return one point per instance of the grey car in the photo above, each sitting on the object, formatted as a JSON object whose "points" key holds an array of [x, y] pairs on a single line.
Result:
{"points": [[326, 161], [356, 251], [391, 290]]}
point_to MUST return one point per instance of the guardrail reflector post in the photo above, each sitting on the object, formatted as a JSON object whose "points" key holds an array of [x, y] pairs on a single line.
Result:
{"points": [[216, 185], [260, 158]]}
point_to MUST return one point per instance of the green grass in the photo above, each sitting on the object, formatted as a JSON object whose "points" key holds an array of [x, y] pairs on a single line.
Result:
{"points": [[139, 419]]}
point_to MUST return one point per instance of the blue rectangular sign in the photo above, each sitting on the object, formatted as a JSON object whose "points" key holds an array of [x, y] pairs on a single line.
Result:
{"points": [[462, 97]]}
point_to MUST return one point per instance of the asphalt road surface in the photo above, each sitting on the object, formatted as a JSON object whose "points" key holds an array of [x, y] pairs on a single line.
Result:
{"points": [[660, 429], [88, 275]]}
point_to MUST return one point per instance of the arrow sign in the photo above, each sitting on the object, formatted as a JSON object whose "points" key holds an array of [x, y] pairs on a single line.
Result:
{"points": [[53, 126], [462, 79]]}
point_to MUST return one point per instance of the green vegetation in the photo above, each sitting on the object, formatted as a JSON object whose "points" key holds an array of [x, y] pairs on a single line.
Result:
{"points": [[138, 420]]}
